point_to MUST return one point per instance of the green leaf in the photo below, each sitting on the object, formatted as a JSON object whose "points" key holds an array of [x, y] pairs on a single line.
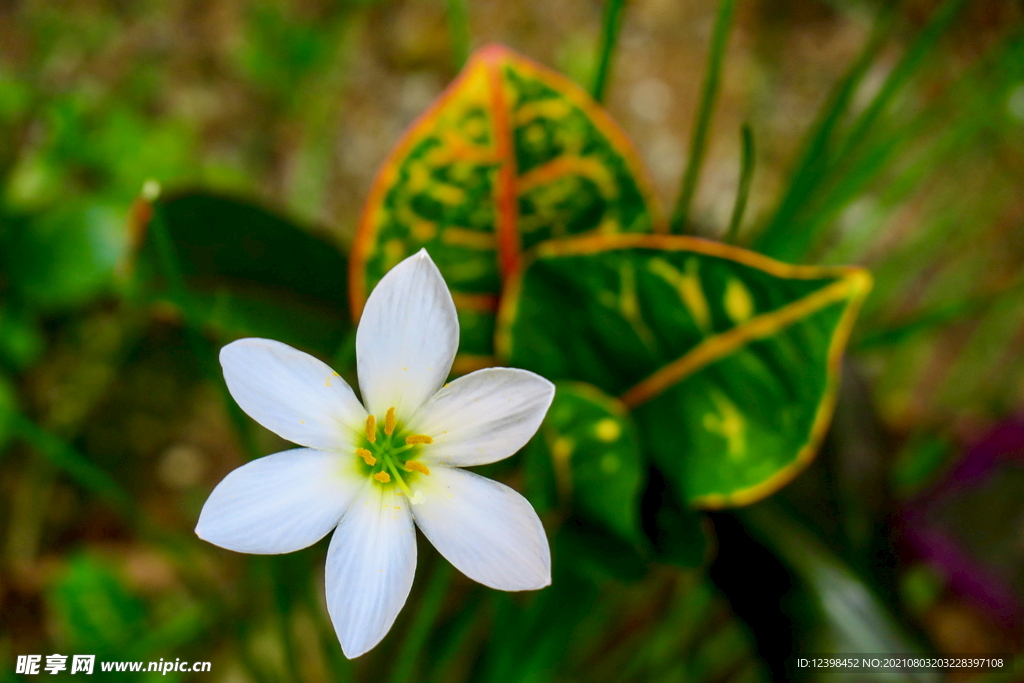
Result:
{"points": [[589, 443], [512, 154], [249, 272], [97, 612], [188, 623], [729, 360], [21, 341], [64, 257]]}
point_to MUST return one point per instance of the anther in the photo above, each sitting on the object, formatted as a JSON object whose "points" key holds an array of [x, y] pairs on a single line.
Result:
{"points": [[418, 438], [417, 466], [371, 428], [389, 422], [382, 477], [367, 456]]}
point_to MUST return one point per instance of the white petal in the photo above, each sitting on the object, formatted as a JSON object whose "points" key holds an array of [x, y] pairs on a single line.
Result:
{"points": [[370, 566], [280, 503], [487, 530], [292, 393], [483, 417], [407, 337]]}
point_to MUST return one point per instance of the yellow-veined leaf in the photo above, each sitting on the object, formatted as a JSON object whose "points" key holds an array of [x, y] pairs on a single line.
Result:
{"points": [[729, 360], [588, 451], [512, 154]]}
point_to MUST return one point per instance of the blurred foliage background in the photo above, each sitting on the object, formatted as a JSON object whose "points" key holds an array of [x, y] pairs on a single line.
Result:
{"points": [[890, 136]]}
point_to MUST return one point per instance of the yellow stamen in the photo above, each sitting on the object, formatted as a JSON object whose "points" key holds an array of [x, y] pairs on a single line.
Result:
{"points": [[389, 422], [367, 456], [418, 438], [417, 466], [371, 428], [382, 477]]}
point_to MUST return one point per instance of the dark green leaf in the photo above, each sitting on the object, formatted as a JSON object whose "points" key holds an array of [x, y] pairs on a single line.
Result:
{"points": [[250, 272], [589, 551]]}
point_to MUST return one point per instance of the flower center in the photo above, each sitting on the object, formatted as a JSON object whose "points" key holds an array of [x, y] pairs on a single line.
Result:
{"points": [[390, 453]]}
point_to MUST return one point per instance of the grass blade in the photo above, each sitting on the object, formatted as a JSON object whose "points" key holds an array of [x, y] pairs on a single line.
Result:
{"points": [[698, 142], [845, 608], [74, 464], [743, 189], [458, 31], [855, 164], [790, 237], [422, 625], [777, 239], [899, 76], [609, 38]]}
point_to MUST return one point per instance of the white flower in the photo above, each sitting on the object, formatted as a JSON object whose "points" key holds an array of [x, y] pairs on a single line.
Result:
{"points": [[362, 467]]}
